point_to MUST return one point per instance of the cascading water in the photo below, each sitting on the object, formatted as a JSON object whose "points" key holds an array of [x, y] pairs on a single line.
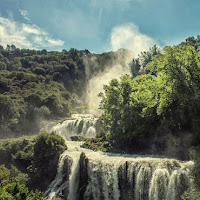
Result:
{"points": [[107, 176], [79, 124]]}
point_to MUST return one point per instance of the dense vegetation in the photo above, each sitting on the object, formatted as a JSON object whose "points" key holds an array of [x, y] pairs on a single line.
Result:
{"points": [[98, 144], [29, 163], [191, 194], [162, 102], [156, 107], [38, 86]]}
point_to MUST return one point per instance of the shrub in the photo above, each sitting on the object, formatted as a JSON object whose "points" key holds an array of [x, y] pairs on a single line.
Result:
{"points": [[195, 152], [47, 150], [14, 190], [191, 194], [97, 144]]}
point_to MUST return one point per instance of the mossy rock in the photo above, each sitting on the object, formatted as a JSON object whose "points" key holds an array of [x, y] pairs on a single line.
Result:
{"points": [[97, 144], [78, 138]]}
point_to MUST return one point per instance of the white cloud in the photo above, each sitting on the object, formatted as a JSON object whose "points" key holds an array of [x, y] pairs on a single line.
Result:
{"points": [[128, 36], [25, 35], [32, 29], [25, 14], [56, 42]]}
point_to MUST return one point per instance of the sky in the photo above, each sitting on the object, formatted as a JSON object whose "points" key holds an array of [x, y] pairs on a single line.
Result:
{"points": [[97, 25]]}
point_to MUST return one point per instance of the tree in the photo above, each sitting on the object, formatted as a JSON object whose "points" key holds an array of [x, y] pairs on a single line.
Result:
{"points": [[139, 64], [121, 116], [13, 47], [47, 150], [135, 67], [44, 51], [74, 54], [179, 67], [9, 114], [1, 48], [2, 66], [166, 98]]}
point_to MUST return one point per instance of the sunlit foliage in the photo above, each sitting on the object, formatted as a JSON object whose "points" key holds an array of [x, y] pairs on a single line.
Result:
{"points": [[166, 98]]}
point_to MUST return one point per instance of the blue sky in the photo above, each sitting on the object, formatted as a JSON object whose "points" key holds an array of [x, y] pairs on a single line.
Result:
{"points": [[97, 25]]}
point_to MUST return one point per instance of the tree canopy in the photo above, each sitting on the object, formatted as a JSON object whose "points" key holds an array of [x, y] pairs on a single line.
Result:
{"points": [[167, 96]]}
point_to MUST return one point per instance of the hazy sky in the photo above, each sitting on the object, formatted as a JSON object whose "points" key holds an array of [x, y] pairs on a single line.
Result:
{"points": [[97, 25]]}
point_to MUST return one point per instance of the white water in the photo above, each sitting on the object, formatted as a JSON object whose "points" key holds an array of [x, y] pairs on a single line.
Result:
{"points": [[59, 184], [116, 176], [84, 125]]}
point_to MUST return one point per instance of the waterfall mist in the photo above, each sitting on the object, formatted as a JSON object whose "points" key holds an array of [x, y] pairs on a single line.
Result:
{"points": [[117, 66]]}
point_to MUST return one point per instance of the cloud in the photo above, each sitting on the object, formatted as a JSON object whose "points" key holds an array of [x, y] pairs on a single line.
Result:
{"points": [[32, 29], [55, 42], [26, 35], [25, 14], [128, 36]]}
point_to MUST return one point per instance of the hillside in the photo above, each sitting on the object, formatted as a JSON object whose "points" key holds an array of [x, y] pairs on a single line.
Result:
{"points": [[39, 86]]}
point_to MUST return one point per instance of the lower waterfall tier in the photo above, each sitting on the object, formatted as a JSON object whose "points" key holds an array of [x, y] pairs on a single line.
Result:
{"points": [[87, 175]]}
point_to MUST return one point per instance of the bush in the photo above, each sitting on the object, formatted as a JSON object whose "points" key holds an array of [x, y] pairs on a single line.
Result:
{"points": [[31, 160], [191, 194], [14, 190], [195, 152], [97, 144], [47, 150], [17, 151]]}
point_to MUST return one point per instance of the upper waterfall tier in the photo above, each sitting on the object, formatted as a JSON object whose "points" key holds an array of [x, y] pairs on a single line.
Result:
{"points": [[79, 124]]}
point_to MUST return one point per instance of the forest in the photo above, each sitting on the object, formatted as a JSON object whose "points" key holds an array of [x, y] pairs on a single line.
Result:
{"points": [[40, 86], [159, 104], [155, 109]]}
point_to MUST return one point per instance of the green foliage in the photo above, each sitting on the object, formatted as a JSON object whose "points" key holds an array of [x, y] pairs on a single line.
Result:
{"points": [[178, 70], [43, 86], [164, 100], [97, 144], [4, 174], [33, 87], [191, 194], [195, 153], [31, 160], [12, 185], [138, 65], [47, 150], [17, 191], [9, 113], [191, 41], [18, 150], [47, 146], [123, 103], [2, 66]]}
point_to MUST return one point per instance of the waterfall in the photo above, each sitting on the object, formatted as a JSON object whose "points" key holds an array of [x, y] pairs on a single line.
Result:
{"points": [[178, 182], [159, 183], [66, 181], [104, 175], [61, 181], [143, 177], [87, 175], [79, 124]]}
